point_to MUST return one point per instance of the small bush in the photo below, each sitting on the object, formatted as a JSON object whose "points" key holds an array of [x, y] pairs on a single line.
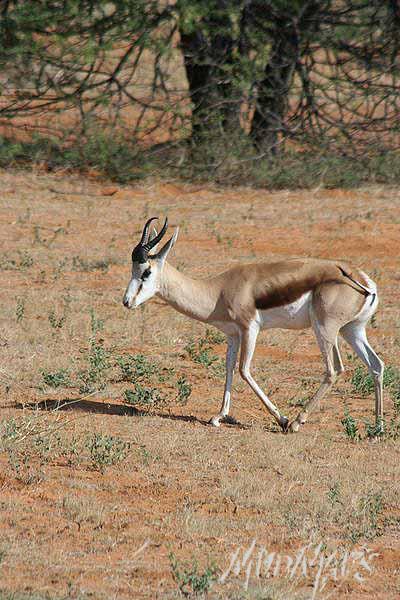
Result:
{"points": [[56, 379], [116, 156], [184, 390], [106, 450], [375, 430], [93, 378], [143, 396], [350, 426], [56, 322], [135, 367], [188, 577], [200, 352]]}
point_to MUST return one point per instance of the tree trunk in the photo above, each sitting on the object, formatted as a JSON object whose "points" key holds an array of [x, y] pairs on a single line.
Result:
{"points": [[272, 101], [208, 58]]}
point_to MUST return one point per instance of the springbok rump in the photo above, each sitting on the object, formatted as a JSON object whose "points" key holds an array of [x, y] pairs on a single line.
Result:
{"points": [[296, 293]]}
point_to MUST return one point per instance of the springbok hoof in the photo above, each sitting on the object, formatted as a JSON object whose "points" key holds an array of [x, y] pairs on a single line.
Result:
{"points": [[284, 423], [215, 421]]}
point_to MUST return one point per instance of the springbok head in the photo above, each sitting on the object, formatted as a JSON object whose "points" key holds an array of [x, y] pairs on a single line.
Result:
{"points": [[147, 268]]}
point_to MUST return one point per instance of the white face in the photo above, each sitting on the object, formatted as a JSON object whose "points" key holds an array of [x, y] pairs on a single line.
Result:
{"points": [[146, 276], [143, 284]]}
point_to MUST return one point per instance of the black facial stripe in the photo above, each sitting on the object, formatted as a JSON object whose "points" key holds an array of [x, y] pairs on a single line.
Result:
{"points": [[145, 274]]}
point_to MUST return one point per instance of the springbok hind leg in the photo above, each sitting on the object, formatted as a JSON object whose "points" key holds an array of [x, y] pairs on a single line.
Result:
{"points": [[354, 333], [333, 367]]}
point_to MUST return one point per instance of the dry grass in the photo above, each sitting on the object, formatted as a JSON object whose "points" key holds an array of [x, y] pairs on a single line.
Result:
{"points": [[95, 495]]}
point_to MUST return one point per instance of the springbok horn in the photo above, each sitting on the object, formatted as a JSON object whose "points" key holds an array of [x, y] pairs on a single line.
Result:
{"points": [[146, 232], [149, 245]]}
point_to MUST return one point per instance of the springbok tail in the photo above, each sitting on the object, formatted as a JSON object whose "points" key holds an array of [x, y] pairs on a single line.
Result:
{"points": [[367, 291]]}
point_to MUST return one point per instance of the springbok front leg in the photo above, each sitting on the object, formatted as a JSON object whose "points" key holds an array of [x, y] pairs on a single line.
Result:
{"points": [[249, 338], [327, 342], [231, 358]]}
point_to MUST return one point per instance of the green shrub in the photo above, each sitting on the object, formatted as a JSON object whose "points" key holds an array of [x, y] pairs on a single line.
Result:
{"points": [[106, 450], [226, 160], [363, 381], [350, 426], [184, 390], [60, 378], [135, 367], [188, 577], [143, 396], [116, 156], [200, 352]]}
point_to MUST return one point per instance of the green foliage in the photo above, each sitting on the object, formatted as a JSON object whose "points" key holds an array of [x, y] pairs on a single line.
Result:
{"points": [[392, 428], [188, 577], [350, 426], [363, 382], [184, 389], [57, 379], [106, 450], [240, 61], [144, 373], [93, 377], [223, 163], [213, 336], [200, 352], [376, 430], [391, 380], [116, 157], [56, 322], [144, 396], [135, 367], [228, 164]]}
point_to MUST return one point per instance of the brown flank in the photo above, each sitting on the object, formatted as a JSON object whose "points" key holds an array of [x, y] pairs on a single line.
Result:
{"points": [[286, 289]]}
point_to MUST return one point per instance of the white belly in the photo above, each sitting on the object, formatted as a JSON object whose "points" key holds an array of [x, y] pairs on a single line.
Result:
{"points": [[290, 316]]}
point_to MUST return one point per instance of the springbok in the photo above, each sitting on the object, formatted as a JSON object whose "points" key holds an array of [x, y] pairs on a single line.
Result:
{"points": [[295, 293]]}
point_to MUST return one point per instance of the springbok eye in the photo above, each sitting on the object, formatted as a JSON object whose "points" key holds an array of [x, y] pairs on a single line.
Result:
{"points": [[145, 274]]}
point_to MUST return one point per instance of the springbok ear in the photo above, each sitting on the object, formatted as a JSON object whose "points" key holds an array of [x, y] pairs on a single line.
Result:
{"points": [[163, 253]]}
